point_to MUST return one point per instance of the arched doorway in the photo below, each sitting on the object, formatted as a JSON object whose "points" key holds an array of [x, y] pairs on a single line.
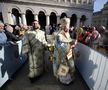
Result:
{"points": [[63, 15], [29, 17], [53, 18], [1, 18], [42, 19], [17, 15], [82, 20], [73, 20]]}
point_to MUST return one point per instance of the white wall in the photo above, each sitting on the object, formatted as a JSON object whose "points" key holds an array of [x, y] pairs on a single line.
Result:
{"points": [[10, 61], [5, 78], [93, 67]]}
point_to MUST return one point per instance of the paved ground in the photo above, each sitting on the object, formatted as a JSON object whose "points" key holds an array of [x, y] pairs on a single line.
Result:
{"points": [[45, 82]]}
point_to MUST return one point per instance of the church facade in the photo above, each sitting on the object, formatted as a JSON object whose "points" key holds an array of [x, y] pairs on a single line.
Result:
{"points": [[47, 12], [100, 18]]}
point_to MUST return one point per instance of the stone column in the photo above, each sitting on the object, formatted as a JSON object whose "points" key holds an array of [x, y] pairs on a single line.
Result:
{"points": [[82, 1], [78, 21], [65, 1], [23, 19], [76, 1], [20, 20], [10, 19], [58, 19], [87, 1], [71, 1], [88, 21], [36, 17], [59, 0], [47, 20]]}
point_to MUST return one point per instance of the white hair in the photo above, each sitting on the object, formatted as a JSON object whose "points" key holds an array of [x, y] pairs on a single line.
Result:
{"points": [[1, 23]]}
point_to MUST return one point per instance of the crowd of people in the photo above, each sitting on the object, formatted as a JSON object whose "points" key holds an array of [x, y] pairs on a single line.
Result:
{"points": [[66, 38], [11, 34], [91, 36]]}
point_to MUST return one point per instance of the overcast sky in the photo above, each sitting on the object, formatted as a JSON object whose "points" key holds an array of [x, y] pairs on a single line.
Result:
{"points": [[99, 4]]}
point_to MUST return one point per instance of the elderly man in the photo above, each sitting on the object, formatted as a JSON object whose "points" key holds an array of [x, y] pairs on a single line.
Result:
{"points": [[3, 37], [9, 34], [34, 44], [63, 63]]}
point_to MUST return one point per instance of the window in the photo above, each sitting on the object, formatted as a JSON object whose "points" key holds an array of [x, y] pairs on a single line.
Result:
{"points": [[68, 0], [1, 18], [85, 1], [90, 1], [79, 1], [62, 0], [74, 1]]}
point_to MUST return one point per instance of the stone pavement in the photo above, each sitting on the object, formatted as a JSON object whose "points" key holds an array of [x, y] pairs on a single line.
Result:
{"points": [[46, 82]]}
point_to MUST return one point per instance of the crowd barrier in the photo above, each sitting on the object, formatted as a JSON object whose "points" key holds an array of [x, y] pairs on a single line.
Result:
{"points": [[93, 67], [10, 61]]}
